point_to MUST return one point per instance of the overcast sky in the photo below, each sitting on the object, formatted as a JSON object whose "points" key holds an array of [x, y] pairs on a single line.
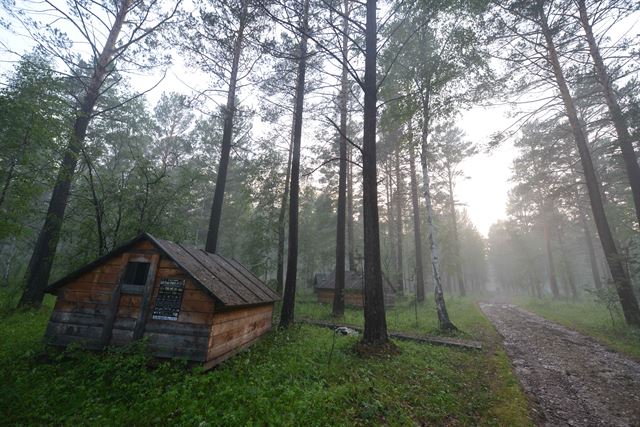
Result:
{"points": [[484, 187]]}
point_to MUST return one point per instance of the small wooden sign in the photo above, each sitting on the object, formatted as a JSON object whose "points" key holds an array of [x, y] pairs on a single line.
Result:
{"points": [[169, 299]]}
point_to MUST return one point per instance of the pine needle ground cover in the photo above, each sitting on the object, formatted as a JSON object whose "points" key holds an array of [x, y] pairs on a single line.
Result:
{"points": [[590, 318], [303, 376]]}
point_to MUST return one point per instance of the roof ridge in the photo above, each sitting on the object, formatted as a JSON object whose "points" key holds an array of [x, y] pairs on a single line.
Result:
{"points": [[254, 290]]}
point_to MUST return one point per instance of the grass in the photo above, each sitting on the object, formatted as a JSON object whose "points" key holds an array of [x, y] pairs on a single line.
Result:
{"points": [[285, 379], [590, 318], [406, 316]]}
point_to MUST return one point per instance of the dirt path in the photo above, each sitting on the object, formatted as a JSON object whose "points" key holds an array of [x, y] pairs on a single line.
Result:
{"points": [[571, 379]]}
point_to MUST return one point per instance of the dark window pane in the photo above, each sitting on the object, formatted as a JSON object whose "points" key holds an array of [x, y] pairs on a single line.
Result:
{"points": [[136, 273]]}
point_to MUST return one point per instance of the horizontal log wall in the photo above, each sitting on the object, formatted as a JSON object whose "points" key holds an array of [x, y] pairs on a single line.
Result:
{"points": [[351, 298], [186, 337], [82, 307], [199, 334], [235, 329]]}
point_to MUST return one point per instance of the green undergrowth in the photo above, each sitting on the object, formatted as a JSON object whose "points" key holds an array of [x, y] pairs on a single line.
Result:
{"points": [[590, 318], [291, 377], [405, 316]]}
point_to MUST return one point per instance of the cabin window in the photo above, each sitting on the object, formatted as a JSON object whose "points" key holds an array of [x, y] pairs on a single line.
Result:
{"points": [[136, 273]]}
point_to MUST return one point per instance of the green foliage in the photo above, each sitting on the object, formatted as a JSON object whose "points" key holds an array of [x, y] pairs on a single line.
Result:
{"points": [[285, 379], [436, 59], [33, 113], [608, 297]]}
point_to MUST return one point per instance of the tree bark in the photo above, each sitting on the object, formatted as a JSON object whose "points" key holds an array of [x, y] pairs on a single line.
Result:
{"points": [[39, 268], [443, 316], [14, 162], [288, 301], [399, 238], [98, 210], [456, 240], [619, 122], [570, 280], [593, 260], [553, 282], [350, 235], [391, 221], [338, 294], [375, 323], [417, 233], [282, 223], [227, 137], [621, 280]]}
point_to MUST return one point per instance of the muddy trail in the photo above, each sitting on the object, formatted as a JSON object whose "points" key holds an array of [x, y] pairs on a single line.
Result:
{"points": [[570, 379]]}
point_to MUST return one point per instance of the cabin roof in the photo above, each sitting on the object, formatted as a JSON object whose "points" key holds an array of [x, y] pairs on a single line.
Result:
{"points": [[224, 279], [352, 281]]}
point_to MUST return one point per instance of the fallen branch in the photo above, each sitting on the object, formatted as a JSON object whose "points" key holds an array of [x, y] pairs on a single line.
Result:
{"points": [[449, 342]]}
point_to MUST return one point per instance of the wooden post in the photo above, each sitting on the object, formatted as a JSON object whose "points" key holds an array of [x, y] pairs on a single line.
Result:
{"points": [[138, 330], [113, 305]]}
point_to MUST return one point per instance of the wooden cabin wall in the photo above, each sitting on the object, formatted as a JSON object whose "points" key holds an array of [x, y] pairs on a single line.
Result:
{"points": [[235, 329], [351, 298], [82, 307], [186, 337]]}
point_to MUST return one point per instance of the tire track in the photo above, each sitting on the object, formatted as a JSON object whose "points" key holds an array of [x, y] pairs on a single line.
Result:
{"points": [[573, 380]]}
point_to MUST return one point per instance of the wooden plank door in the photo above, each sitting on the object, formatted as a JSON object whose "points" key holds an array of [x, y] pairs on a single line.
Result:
{"points": [[129, 305]]}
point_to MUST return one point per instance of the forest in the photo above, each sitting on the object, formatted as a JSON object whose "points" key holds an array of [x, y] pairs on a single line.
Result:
{"points": [[328, 146]]}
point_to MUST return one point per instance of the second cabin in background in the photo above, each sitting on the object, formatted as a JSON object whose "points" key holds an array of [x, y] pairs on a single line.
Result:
{"points": [[324, 285], [184, 301]]}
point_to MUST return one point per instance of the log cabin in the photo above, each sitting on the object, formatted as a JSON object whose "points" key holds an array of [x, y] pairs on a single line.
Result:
{"points": [[324, 285], [184, 302]]}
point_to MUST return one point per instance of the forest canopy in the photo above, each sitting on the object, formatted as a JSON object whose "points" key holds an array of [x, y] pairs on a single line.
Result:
{"points": [[304, 137]]}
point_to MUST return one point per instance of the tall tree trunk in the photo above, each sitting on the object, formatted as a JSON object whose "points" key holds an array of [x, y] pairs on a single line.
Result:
{"points": [[443, 316], [553, 282], [39, 268], [288, 301], [7, 181], [14, 162], [282, 223], [568, 274], [399, 240], [227, 137], [391, 221], [98, 209], [619, 122], [375, 322], [338, 295], [621, 280], [417, 233], [350, 235], [456, 240], [593, 261]]}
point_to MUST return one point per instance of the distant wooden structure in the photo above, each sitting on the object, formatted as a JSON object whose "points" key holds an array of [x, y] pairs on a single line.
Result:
{"points": [[185, 302], [324, 286]]}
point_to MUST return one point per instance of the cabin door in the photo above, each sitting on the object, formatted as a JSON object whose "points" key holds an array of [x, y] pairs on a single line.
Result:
{"points": [[131, 299]]}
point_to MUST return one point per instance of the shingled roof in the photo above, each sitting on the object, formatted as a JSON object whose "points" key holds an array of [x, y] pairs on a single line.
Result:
{"points": [[225, 279], [353, 281]]}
